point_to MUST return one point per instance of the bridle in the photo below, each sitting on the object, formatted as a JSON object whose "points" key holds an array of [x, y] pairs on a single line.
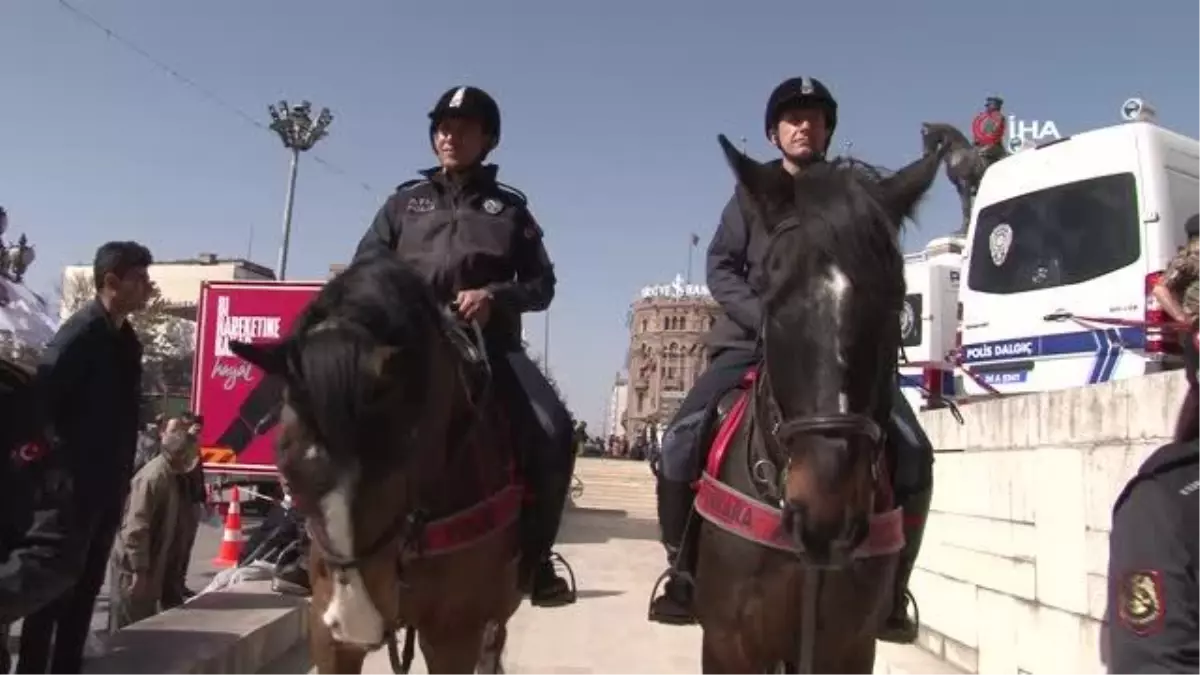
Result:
{"points": [[407, 529], [778, 430]]}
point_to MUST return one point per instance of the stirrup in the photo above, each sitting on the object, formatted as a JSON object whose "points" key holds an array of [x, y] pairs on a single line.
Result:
{"points": [[556, 561]]}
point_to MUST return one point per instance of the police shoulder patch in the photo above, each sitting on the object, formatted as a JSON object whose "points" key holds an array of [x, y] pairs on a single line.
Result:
{"points": [[1140, 602]]}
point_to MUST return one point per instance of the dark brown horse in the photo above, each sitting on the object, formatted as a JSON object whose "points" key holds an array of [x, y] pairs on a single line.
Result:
{"points": [[965, 163], [797, 545], [400, 459]]}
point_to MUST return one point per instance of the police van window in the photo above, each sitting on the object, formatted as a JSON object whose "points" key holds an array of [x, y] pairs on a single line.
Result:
{"points": [[1064, 235]]}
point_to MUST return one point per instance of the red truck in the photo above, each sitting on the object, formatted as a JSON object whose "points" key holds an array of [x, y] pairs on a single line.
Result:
{"points": [[239, 405]]}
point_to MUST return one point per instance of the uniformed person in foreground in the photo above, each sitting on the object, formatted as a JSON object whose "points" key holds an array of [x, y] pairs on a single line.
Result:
{"points": [[476, 243], [1152, 566]]}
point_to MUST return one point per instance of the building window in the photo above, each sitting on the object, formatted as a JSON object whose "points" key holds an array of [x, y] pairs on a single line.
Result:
{"points": [[645, 325]]}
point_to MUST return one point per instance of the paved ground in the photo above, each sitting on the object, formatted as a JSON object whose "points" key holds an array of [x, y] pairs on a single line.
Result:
{"points": [[616, 559], [208, 539]]}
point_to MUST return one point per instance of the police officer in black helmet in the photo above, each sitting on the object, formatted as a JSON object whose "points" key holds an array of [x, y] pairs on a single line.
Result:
{"points": [[801, 116], [475, 241]]}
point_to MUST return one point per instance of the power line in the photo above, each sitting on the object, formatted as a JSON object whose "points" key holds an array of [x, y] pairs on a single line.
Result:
{"points": [[196, 86]]}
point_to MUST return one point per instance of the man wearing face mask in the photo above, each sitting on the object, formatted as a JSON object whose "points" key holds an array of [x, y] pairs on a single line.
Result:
{"points": [[800, 119], [476, 243]]}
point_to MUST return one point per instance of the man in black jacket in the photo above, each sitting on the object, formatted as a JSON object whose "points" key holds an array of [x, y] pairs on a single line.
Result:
{"points": [[476, 243], [89, 382], [800, 119], [1152, 564]]}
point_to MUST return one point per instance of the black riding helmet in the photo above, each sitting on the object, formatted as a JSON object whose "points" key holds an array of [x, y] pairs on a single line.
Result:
{"points": [[801, 92], [470, 102]]}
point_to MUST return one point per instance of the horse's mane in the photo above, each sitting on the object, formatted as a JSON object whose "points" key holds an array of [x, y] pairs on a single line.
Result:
{"points": [[377, 302], [947, 132], [834, 200], [838, 218]]}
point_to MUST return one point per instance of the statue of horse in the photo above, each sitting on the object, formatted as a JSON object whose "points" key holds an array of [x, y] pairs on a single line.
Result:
{"points": [[796, 546], [401, 460], [965, 163]]}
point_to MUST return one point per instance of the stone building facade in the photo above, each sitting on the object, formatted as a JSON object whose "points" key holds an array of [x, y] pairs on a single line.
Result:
{"points": [[666, 352]]}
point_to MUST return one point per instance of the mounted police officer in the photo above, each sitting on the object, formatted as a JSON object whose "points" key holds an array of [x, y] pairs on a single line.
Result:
{"points": [[1152, 566], [800, 119], [475, 241]]}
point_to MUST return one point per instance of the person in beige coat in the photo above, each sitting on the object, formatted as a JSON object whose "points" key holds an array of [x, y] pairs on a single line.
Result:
{"points": [[150, 536]]}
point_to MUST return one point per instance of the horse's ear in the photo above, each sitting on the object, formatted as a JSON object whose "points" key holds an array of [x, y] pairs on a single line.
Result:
{"points": [[766, 184], [270, 357], [902, 191]]}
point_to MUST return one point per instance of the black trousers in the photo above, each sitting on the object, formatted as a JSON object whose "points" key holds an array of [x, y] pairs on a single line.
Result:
{"points": [[544, 434], [67, 621], [680, 460]]}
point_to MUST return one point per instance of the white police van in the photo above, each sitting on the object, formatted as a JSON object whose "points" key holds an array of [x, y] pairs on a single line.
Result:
{"points": [[1082, 225], [929, 322]]}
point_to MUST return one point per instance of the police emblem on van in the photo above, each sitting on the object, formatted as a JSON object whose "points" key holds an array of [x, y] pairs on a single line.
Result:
{"points": [[493, 206], [910, 320], [999, 242]]}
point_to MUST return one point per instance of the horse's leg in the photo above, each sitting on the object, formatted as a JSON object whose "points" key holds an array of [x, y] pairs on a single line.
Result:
{"points": [[491, 654], [964, 198], [722, 652], [458, 650], [327, 655]]}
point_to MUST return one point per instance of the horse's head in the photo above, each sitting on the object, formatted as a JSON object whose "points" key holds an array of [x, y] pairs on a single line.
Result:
{"points": [[835, 289], [364, 405]]}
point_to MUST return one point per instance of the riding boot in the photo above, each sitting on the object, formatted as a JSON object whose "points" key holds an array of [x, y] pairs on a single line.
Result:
{"points": [[899, 627], [674, 605], [551, 485]]}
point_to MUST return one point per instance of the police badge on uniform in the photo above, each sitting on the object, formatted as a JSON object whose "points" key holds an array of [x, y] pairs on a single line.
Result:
{"points": [[493, 206], [420, 205], [1141, 602], [999, 242]]}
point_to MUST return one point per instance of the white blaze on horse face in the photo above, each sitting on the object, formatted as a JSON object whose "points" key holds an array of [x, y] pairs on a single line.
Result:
{"points": [[838, 287], [351, 615]]}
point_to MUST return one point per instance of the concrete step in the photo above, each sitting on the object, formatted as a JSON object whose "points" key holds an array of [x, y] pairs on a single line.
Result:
{"points": [[895, 659]]}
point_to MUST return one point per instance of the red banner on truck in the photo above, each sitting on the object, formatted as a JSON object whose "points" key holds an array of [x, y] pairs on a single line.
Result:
{"points": [[239, 403]]}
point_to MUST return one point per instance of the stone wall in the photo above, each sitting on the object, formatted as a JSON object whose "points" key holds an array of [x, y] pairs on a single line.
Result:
{"points": [[1012, 573]]}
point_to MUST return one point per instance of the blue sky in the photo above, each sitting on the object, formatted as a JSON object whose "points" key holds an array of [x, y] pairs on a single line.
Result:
{"points": [[610, 116]]}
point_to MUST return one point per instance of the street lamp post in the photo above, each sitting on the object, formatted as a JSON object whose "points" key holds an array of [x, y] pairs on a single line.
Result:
{"points": [[299, 132]]}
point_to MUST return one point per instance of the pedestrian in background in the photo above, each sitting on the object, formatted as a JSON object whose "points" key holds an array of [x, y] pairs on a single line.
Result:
{"points": [[1179, 295], [142, 578], [89, 391], [193, 512]]}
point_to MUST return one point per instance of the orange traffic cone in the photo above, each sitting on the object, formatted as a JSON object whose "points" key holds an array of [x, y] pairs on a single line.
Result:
{"points": [[231, 539]]}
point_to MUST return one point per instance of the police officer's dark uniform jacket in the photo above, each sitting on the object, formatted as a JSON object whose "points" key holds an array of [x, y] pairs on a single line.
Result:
{"points": [[468, 234], [735, 277], [1152, 567]]}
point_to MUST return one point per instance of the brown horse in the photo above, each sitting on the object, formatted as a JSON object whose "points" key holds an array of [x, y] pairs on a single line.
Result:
{"points": [[965, 163], [796, 549], [402, 462]]}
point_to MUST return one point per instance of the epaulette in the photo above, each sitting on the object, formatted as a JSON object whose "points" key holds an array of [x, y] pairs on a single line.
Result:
{"points": [[410, 183], [522, 200]]}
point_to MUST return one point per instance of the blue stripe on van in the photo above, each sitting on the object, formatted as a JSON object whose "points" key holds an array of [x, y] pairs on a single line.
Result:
{"points": [[1106, 344]]}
